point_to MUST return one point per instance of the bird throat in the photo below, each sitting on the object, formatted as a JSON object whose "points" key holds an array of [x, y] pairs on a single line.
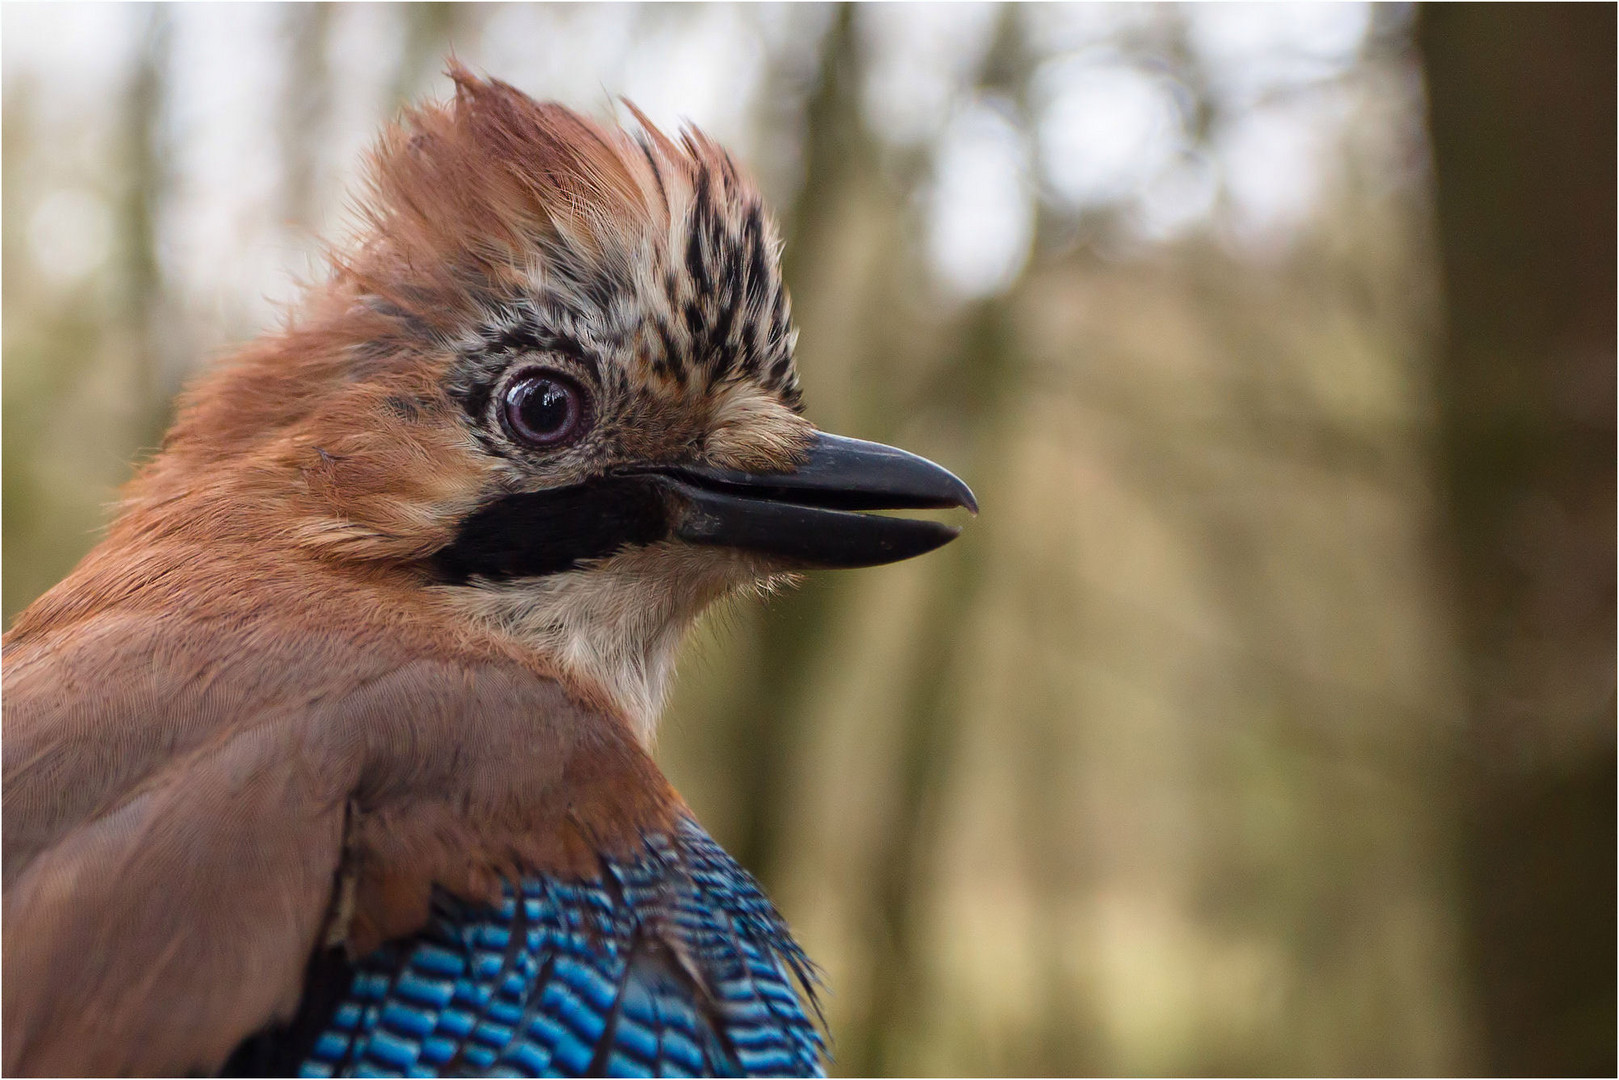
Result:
{"points": [[616, 623]]}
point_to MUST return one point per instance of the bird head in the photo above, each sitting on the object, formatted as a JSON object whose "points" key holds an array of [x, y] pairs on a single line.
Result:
{"points": [[550, 384]]}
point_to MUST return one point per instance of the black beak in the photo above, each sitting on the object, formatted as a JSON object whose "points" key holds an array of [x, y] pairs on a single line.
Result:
{"points": [[809, 517]]}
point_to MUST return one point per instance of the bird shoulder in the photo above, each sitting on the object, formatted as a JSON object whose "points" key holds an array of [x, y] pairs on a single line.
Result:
{"points": [[184, 793]]}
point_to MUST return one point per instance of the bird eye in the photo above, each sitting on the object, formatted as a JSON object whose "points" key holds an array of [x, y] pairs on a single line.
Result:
{"points": [[544, 408]]}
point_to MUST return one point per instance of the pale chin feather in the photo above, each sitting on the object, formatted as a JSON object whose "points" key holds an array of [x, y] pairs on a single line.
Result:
{"points": [[617, 624]]}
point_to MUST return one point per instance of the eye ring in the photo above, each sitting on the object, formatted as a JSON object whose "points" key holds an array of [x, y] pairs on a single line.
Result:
{"points": [[542, 408]]}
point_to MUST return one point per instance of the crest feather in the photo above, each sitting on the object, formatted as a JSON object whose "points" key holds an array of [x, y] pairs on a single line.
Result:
{"points": [[463, 197]]}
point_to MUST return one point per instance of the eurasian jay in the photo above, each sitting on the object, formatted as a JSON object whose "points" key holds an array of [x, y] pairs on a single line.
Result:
{"points": [[333, 757]]}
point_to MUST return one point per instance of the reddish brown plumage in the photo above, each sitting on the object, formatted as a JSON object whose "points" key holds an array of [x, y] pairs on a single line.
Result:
{"points": [[243, 710], [257, 746]]}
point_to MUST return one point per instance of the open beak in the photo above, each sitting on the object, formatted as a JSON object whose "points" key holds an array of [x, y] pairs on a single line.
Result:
{"points": [[812, 515]]}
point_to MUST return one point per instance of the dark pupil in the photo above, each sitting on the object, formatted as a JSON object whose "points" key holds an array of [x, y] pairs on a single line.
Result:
{"points": [[544, 408]]}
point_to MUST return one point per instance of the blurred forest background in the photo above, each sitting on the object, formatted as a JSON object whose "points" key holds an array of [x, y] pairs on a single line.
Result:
{"points": [[1264, 721]]}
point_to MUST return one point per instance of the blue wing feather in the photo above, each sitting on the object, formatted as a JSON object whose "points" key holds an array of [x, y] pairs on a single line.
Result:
{"points": [[671, 964]]}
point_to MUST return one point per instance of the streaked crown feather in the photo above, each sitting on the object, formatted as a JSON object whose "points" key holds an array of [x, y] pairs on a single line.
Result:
{"points": [[496, 200]]}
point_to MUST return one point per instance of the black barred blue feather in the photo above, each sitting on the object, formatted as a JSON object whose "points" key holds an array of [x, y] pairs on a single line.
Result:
{"points": [[674, 964]]}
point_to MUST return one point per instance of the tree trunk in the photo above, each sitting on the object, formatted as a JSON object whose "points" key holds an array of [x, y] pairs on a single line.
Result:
{"points": [[1522, 118]]}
